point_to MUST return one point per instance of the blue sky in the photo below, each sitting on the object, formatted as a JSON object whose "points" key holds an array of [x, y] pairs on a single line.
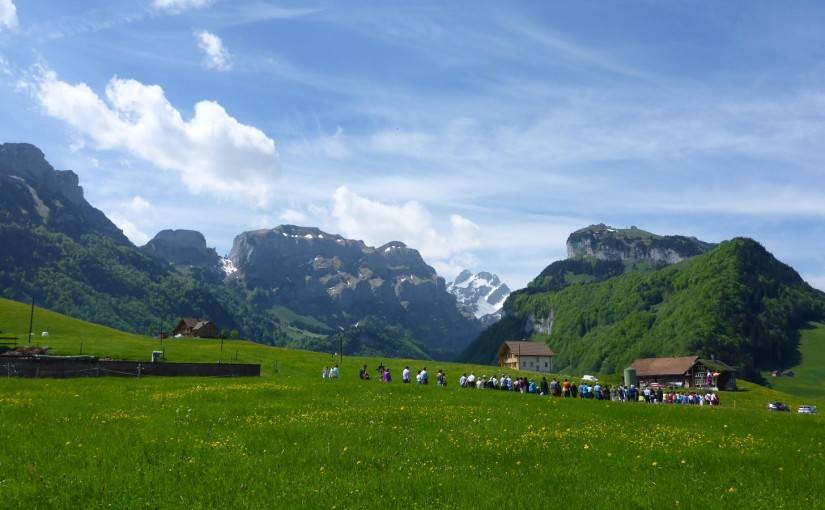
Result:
{"points": [[480, 133]]}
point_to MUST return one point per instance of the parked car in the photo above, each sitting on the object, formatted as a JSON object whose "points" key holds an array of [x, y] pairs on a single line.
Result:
{"points": [[778, 406], [806, 409]]}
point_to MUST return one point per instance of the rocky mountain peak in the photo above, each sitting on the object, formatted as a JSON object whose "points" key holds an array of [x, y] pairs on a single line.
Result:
{"points": [[342, 280], [25, 161], [481, 294], [604, 242], [182, 247], [32, 190]]}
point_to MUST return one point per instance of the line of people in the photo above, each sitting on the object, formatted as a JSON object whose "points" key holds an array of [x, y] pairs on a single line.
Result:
{"points": [[567, 389], [587, 390], [422, 377]]}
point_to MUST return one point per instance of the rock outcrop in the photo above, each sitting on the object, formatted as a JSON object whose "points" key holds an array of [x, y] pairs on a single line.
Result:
{"points": [[32, 190], [182, 248], [632, 245], [343, 280]]}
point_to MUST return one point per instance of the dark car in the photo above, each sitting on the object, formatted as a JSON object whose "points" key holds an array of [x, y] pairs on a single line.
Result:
{"points": [[778, 406]]}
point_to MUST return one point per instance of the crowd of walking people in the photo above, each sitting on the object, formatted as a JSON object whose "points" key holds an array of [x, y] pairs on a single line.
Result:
{"points": [[591, 390]]}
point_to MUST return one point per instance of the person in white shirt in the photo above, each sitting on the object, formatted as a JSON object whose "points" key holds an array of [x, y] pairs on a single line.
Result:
{"points": [[405, 375]]}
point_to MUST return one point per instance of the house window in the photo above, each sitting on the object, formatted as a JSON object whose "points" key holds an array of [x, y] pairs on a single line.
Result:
{"points": [[545, 364], [524, 364]]}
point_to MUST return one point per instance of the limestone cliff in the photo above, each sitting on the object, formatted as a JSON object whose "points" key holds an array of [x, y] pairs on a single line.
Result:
{"points": [[603, 242], [32, 190], [343, 280]]}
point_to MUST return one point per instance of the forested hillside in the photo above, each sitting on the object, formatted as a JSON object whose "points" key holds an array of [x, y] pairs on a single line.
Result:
{"points": [[288, 286], [100, 280], [736, 303]]}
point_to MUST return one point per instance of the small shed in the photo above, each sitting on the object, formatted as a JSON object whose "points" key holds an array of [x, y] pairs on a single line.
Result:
{"points": [[685, 372], [533, 356], [193, 327]]}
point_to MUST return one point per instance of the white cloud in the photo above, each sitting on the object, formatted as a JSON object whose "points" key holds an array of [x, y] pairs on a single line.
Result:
{"points": [[8, 15], [212, 152], [176, 6], [293, 217], [138, 206], [216, 54], [137, 236], [377, 223], [139, 210]]}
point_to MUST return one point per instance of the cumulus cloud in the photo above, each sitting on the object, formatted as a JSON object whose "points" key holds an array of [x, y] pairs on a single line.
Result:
{"points": [[8, 15], [377, 223], [215, 53], [176, 6], [212, 152], [139, 208], [130, 230]]}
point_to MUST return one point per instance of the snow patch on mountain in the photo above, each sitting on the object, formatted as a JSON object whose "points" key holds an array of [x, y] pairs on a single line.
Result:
{"points": [[227, 265]]}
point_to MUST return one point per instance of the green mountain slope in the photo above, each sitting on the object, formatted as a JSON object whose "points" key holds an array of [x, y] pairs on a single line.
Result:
{"points": [[288, 286], [736, 303], [97, 279]]}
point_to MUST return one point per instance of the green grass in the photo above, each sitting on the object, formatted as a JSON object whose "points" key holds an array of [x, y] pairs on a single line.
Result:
{"points": [[808, 381], [290, 317], [291, 439]]}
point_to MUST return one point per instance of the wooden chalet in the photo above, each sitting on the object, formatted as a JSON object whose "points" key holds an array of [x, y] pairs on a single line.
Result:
{"points": [[192, 327], [533, 356], [685, 372]]}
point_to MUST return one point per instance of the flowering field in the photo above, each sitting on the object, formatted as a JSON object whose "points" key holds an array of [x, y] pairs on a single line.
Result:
{"points": [[293, 439]]}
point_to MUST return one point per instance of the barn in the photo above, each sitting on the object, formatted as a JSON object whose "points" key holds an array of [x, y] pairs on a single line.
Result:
{"points": [[193, 327], [685, 372]]}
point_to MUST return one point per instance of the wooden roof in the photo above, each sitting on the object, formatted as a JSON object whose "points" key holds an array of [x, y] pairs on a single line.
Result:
{"points": [[647, 367], [190, 322], [719, 366], [526, 349]]}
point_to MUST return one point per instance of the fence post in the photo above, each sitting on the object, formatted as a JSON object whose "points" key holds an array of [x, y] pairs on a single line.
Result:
{"points": [[139, 370]]}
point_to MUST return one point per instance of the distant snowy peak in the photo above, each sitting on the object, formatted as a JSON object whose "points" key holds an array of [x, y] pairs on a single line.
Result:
{"points": [[482, 293], [467, 279]]}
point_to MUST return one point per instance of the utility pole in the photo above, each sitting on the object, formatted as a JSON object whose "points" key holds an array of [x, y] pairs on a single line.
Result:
{"points": [[31, 321]]}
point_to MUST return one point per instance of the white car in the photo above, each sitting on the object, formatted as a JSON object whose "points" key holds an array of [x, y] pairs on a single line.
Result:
{"points": [[806, 409]]}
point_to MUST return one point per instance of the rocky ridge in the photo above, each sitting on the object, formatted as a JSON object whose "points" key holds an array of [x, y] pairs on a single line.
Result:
{"points": [[603, 242], [182, 248], [31, 190], [344, 280]]}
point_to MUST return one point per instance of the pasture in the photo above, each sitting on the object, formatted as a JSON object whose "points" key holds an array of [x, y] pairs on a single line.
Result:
{"points": [[291, 439]]}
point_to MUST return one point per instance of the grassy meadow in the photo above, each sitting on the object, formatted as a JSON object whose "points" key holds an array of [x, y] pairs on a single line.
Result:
{"points": [[291, 439]]}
